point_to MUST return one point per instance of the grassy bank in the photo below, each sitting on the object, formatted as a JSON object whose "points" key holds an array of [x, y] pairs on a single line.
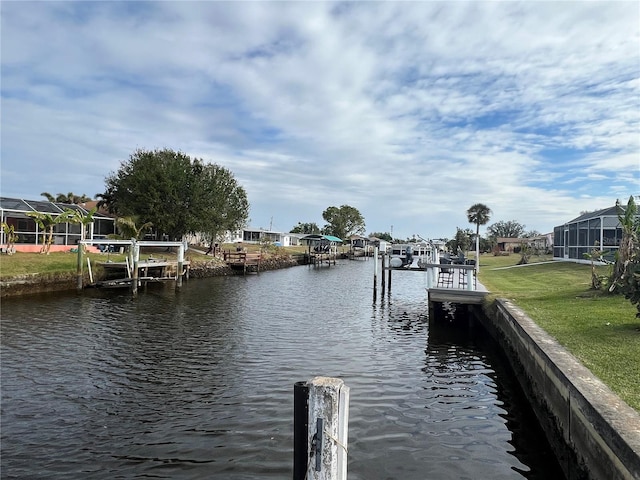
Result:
{"points": [[600, 330], [26, 264]]}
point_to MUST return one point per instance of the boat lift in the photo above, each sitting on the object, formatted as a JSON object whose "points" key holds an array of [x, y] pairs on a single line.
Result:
{"points": [[133, 265]]}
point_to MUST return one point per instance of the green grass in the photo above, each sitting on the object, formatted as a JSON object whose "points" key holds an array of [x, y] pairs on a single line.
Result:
{"points": [[600, 330], [27, 264]]}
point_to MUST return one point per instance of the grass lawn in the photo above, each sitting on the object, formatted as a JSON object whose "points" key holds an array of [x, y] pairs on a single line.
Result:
{"points": [[25, 264], [600, 330]]}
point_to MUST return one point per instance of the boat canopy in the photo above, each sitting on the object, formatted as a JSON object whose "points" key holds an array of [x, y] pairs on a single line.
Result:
{"points": [[315, 236]]}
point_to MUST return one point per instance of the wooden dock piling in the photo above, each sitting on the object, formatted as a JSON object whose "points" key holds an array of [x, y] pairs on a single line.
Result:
{"points": [[324, 454], [375, 275]]}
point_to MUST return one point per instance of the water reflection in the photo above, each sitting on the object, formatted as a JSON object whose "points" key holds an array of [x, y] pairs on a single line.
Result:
{"points": [[199, 383]]}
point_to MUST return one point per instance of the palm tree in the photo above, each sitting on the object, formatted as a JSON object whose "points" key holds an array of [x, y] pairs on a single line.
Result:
{"points": [[129, 227], [83, 219], [479, 214], [11, 236], [47, 222], [628, 218], [69, 198]]}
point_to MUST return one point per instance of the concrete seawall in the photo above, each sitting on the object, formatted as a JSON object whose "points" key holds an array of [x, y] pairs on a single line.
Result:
{"points": [[595, 434]]}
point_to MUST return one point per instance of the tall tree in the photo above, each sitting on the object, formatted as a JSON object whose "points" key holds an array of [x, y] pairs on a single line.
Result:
{"points": [[177, 194], [306, 228], [343, 222], [219, 203], [72, 198], [69, 198], [386, 236], [462, 240], [478, 214], [509, 229]]}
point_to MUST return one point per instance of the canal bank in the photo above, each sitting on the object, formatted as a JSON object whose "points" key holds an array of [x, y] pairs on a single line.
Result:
{"points": [[593, 432], [67, 281]]}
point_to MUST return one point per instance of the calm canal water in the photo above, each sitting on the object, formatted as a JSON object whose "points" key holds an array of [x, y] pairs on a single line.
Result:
{"points": [[199, 384]]}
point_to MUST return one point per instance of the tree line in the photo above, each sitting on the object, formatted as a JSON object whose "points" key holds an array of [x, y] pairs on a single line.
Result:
{"points": [[178, 195]]}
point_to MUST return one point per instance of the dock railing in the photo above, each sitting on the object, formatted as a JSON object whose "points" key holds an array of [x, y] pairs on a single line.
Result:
{"points": [[463, 276], [242, 259]]}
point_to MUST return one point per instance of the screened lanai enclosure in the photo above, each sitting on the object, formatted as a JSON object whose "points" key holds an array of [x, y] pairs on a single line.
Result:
{"points": [[599, 230], [13, 212]]}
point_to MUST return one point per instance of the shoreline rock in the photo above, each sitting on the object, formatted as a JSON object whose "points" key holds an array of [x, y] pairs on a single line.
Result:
{"points": [[66, 281]]}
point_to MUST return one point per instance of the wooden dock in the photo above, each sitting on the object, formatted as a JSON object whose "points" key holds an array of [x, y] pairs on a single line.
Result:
{"points": [[446, 282], [149, 271], [318, 259], [137, 272], [247, 262]]}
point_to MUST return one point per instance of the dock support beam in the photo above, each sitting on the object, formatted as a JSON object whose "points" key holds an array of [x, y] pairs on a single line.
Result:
{"points": [[375, 274], [79, 269], [384, 266], [180, 266], [389, 270], [135, 250], [321, 452]]}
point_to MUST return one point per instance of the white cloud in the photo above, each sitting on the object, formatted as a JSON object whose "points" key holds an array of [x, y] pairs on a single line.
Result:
{"points": [[409, 111]]}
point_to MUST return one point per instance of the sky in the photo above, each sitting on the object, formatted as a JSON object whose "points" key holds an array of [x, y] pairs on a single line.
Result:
{"points": [[410, 112]]}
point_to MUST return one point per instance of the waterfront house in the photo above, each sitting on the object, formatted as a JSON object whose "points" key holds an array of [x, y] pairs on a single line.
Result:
{"points": [[30, 237], [540, 243], [599, 230]]}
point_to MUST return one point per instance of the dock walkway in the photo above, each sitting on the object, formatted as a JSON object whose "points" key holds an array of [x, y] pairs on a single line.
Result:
{"points": [[454, 283], [247, 262]]}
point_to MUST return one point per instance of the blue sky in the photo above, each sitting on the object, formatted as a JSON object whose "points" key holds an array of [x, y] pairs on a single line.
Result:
{"points": [[408, 111]]}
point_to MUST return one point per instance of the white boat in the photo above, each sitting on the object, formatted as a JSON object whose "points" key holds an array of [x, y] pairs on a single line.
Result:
{"points": [[410, 255]]}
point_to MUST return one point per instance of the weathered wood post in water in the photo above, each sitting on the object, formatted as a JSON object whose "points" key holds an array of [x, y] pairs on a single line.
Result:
{"points": [[321, 423], [79, 269], [375, 273], [135, 251], [389, 270], [181, 250], [384, 266]]}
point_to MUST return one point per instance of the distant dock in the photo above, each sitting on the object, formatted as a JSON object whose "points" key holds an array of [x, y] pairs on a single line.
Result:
{"points": [[446, 282], [247, 262]]}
